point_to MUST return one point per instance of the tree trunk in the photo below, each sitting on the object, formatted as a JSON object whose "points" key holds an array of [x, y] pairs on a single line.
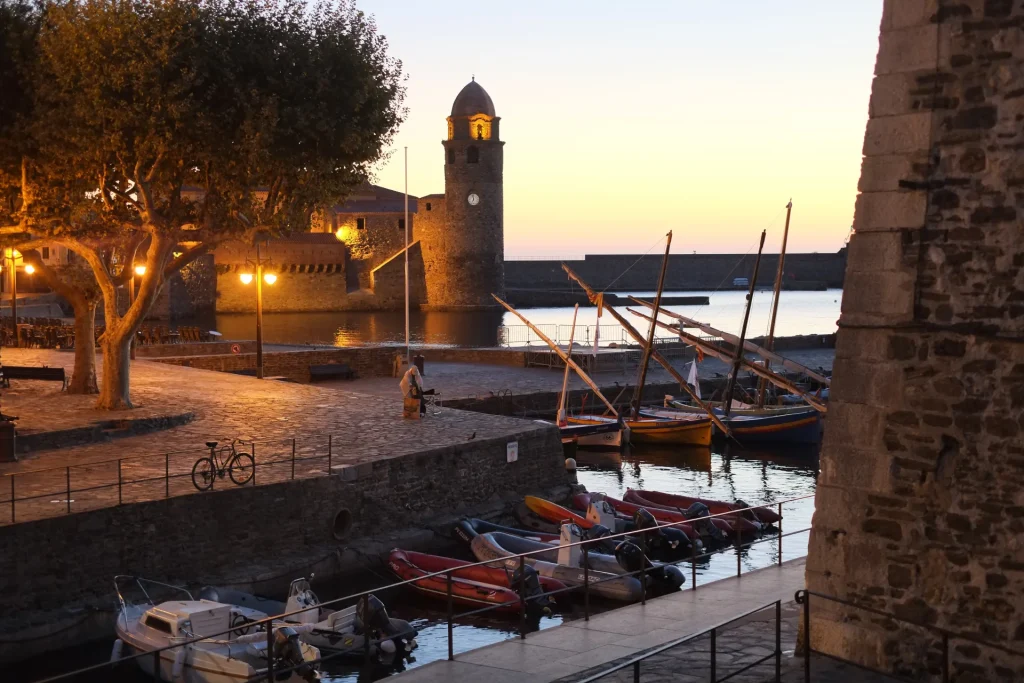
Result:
{"points": [[83, 377], [114, 387]]}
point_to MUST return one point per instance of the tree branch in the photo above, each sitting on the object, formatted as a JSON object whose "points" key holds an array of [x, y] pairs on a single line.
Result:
{"points": [[122, 278]]}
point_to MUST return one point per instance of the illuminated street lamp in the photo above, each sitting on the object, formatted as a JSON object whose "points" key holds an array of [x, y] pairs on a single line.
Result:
{"points": [[14, 255], [139, 270], [29, 268], [246, 276]]}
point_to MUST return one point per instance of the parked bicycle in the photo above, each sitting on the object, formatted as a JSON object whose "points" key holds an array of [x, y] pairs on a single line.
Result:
{"points": [[238, 465]]}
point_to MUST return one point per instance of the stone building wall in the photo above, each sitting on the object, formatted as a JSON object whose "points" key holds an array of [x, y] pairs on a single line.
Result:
{"points": [[299, 287], [920, 502]]}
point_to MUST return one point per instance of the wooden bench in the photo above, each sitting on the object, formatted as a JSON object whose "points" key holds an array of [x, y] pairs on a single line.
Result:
{"points": [[30, 372], [330, 371]]}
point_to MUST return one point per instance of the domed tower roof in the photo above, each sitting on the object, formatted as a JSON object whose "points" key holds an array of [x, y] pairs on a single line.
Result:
{"points": [[473, 99]]}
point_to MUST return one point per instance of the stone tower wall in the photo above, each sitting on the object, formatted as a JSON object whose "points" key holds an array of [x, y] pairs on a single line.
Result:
{"points": [[470, 265], [920, 502]]}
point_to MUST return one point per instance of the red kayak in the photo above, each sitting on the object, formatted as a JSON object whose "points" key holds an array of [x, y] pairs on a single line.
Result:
{"points": [[660, 513], [735, 519], [764, 515], [476, 586]]}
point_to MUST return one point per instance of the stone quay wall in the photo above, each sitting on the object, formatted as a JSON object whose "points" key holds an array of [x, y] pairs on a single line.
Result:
{"points": [[234, 535], [370, 361], [920, 502], [685, 271]]}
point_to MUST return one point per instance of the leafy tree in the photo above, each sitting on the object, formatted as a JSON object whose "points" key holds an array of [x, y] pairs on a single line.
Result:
{"points": [[161, 128]]}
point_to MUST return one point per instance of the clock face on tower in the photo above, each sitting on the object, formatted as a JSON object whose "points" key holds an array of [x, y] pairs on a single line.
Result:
{"points": [[473, 199]]}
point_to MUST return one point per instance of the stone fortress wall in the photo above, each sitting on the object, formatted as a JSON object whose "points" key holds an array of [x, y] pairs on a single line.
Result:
{"points": [[920, 502]]}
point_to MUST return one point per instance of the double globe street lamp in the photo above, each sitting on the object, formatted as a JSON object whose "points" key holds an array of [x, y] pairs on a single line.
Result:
{"points": [[247, 277]]}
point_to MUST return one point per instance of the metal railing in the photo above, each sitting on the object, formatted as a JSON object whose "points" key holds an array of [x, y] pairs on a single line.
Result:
{"points": [[714, 632], [53, 491], [522, 335], [450, 574], [941, 647]]}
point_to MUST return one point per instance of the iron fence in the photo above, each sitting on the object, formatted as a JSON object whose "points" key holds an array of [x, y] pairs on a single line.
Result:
{"points": [[521, 335], [269, 624], [54, 491]]}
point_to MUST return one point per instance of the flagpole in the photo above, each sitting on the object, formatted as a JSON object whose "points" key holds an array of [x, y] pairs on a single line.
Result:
{"points": [[408, 353]]}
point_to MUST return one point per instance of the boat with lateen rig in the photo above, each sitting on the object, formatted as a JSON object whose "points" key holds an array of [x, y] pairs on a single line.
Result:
{"points": [[683, 429]]}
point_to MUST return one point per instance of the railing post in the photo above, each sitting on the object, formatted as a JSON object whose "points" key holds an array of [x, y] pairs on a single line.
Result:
{"points": [[643, 569], [945, 658], [636, 671], [780, 534], [67, 474], [714, 656], [778, 641], [807, 637], [156, 666], [366, 628], [167, 475], [252, 452], [330, 448], [293, 458], [522, 598], [739, 546], [270, 652], [12, 499], [451, 645], [119, 499], [693, 564], [586, 585]]}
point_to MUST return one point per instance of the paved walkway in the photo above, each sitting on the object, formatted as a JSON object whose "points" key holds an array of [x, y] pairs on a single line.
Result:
{"points": [[362, 428], [566, 652]]}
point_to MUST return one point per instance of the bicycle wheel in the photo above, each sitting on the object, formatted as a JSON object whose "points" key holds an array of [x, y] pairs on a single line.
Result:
{"points": [[203, 473], [242, 469]]}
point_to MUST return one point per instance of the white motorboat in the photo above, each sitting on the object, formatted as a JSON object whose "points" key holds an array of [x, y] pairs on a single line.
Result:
{"points": [[225, 657], [341, 632]]}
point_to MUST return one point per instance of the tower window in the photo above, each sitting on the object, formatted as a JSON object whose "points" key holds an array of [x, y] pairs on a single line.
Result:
{"points": [[360, 224], [401, 224], [428, 206], [46, 253], [472, 155], [479, 131], [451, 156]]}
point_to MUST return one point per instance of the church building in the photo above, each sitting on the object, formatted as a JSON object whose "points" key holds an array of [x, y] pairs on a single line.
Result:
{"points": [[353, 258]]}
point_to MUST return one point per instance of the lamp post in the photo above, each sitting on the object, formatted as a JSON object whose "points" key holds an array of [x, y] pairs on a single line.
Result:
{"points": [[270, 278], [14, 255], [139, 270]]}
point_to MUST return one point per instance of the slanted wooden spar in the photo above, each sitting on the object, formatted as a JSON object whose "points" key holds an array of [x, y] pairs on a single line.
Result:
{"points": [[724, 355], [769, 343], [561, 354], [738, 360], [638, 395], [655, 354], [786, 363]]}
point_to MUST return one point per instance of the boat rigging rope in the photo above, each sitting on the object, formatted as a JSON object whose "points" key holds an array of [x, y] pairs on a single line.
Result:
{"points": [[608, 286]]}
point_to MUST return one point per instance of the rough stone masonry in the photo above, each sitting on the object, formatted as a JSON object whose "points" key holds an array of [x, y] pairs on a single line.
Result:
{"points": [[920, 505]]}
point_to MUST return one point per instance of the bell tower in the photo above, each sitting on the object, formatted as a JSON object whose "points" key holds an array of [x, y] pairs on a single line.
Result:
{"points": [[474, 254]]}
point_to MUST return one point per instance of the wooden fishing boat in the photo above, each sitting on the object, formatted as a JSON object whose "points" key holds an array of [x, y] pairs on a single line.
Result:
{"points": [[760, 425], [684, 429], [764, 514], [475, 586]]}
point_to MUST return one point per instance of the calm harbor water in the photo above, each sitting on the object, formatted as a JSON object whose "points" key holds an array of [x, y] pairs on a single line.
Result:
{"points": [[799, 313], [755, 476]]}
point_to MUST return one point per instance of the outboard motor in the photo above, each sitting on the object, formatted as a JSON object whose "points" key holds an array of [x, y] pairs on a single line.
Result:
{"points": [[288, 651], [750, 514], [643, 519], [705, 527], [526, 581], [632, 559], [599, 531], [400, 634]]}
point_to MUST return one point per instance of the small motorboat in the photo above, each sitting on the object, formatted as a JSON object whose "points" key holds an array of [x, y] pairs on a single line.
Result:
{"points": [[698, 508], [606, 434], [343, 632], [709, 529], [468, 528], [566, 563], [476, 585], [764, 515], [671, 542], [225, 657], [686, 429]]}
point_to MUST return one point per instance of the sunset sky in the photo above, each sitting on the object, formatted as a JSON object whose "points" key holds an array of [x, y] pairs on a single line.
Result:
{"points": [[625, 120]]}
